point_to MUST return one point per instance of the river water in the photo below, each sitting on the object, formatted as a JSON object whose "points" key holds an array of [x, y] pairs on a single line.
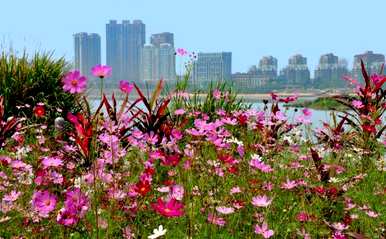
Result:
{"points": [[317, 117]]}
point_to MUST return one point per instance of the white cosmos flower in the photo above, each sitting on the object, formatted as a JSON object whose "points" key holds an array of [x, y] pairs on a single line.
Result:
{"points": [[158, 232]]}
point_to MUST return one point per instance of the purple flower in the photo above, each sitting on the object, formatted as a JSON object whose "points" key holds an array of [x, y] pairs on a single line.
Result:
{"points": [[125, 86], [43, 202], [101, 71], [74, 82]]}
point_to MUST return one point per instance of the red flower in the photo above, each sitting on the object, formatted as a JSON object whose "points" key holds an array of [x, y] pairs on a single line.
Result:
{"points": [[142, 187], [39, 110], [171, 208], [369, 128], [171, 160]]}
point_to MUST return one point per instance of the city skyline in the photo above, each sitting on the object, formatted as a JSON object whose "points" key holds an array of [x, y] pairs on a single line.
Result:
{"points": [[250, 29]]}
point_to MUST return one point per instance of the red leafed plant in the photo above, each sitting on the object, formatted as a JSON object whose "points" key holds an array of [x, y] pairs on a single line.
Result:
{"points": [[366, 112], [368, 105], [155, 117]]}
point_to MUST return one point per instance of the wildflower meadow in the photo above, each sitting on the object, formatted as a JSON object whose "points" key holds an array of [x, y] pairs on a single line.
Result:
{"points": [[178, 165]]}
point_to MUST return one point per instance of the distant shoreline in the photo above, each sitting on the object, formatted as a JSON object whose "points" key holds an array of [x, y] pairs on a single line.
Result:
{"points": [[245, 96]]}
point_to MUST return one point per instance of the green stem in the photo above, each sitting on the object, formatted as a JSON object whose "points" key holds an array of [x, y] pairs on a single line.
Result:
{"points": [[102, 84]]}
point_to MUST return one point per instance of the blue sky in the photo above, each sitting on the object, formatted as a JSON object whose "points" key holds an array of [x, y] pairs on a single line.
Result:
{"points": [[248, 28]]}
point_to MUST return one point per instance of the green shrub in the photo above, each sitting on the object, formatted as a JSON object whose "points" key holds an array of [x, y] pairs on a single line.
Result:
{"points": [[30, 80]]}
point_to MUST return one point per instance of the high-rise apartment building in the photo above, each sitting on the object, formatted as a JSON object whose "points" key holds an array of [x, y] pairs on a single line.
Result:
{"points": [[124, 43], [158, 59], [212, 67], [297, 71], [87, 52], [268, 67], [330, 72], [167, 62], [161, 38], [372, 61], [150, 68]]}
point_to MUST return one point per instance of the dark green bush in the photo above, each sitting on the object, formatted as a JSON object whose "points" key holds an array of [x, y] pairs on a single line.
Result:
{"points": [[30, 80]]}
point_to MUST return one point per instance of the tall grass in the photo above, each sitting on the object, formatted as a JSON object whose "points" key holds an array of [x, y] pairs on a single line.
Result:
{"points": [[30, 80]]}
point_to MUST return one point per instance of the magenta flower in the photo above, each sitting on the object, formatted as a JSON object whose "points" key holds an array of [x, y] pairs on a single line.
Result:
{"points": [[263, 230], [307, 112], [43, 202], [171, 208], [101, 71], [76, 202], [261, 201], [74, 82], [125, 86], [75, 207]]}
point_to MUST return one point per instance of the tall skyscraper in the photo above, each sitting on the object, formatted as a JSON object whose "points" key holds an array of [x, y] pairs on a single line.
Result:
{"points": [[150, 65], [124, 43], [167, 62], [372, 61], [87, 52], [330, 72], [161, 38], [158, 59], [297, 71], [267, 69], [212, 67]]}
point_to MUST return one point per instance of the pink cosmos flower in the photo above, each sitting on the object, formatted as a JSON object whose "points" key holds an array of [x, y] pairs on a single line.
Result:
{"points": [[43, 202], [235, 190], [261, 201], [357, 104], [256, 163], [125, 86], [76, 202], [181, 52], [177, 192], [339, 226], [53, 162], [12, 196], [263, 230], [216, 94], [289, 184], [219, 221], [171, 208], [307, 112], [74, 83], [75, 207], [225, 210], [338, 235], [372, 214], [101, 71], [179, 112]]}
